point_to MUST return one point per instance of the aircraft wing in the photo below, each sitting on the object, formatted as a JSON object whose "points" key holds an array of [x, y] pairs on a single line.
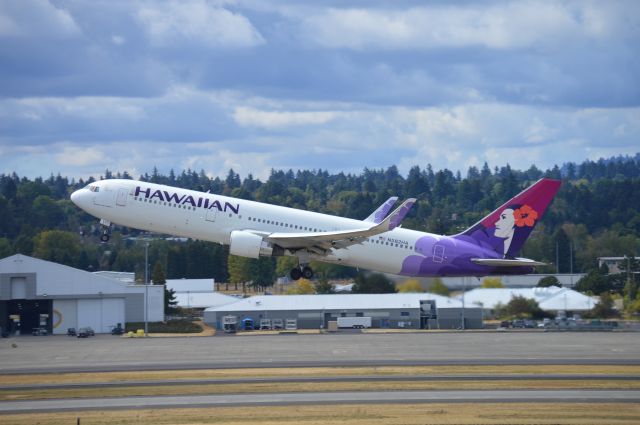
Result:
{"points": [[507, 262], [323, 241], [379, 214]]}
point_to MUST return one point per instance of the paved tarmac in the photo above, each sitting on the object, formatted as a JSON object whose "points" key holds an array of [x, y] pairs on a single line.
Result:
{"points": [[106, 352], [54, 354], [341, 397]]}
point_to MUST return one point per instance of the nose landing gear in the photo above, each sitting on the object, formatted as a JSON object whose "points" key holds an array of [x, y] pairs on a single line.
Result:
{"points": [[106, 230]]}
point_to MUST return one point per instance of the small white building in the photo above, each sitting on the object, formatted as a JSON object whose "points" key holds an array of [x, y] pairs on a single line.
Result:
{"points": [[40, 294], [549, 299], [190, 285], [197, 293], [203, 299], [613, 263]]}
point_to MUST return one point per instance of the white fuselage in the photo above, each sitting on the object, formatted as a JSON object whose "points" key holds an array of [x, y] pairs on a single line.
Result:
{"points": [[211, 217]]}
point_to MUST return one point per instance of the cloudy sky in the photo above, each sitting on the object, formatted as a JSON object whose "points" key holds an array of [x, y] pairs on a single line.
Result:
{"points": [[338, 85]]}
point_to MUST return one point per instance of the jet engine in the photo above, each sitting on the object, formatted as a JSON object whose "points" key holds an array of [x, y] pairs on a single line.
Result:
{"points": [[247, 244]]}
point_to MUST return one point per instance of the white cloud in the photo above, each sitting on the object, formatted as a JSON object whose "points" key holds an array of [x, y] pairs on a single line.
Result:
{"points": [[36, 18], [87, 107], [501, 25], [118, 40], [277, 119], [197, 22], [80, 156], [218, 161]]}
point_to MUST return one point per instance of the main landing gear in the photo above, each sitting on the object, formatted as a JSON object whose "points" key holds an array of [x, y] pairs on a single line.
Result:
{"points": [[106, 230], [298, 272]]}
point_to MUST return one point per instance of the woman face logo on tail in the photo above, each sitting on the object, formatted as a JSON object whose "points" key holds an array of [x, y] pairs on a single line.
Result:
{"points": [[512, 219]]}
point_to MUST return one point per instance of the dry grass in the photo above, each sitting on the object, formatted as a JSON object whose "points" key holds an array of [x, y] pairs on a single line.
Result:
{"points": [[301, 387], [64, 378], [356, 414]]}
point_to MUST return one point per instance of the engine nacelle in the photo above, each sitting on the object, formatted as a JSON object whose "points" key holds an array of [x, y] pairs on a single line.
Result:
{"points": [[247, 244]]}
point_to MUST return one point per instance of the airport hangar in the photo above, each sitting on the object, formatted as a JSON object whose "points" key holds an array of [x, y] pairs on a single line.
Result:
{"points": [[40, 294], [406, 310]]}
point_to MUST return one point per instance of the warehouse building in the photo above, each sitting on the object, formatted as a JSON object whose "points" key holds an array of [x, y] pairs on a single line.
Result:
{"points": [[38, 294], [413, 311]]}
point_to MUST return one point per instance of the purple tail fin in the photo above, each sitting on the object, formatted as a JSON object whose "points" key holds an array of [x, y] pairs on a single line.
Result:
{"points": [[507, 228]]}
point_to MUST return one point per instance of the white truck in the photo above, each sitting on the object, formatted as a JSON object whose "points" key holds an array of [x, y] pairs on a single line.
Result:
{"points": [[354, 322]]}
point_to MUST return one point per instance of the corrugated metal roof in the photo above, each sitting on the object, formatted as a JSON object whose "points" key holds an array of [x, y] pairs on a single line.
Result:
{"points": [[337, 302]]}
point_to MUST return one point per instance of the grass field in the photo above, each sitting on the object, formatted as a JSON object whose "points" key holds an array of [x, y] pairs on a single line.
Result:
{"points": [[347, 414], [357, 414], [299, 387], [509, 370]]}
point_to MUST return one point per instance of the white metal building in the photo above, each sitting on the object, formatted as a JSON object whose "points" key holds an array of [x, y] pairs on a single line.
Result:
{"points": [[197, 293], [203, 299], [407, 310], [190, 285], [40, 294], [549, 299]]}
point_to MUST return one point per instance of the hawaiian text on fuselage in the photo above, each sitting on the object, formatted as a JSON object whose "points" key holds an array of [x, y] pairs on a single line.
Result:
{"points": [[200, 202]]}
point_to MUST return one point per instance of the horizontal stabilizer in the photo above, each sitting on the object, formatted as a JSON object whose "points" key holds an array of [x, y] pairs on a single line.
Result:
{"points": [[507, 262]]}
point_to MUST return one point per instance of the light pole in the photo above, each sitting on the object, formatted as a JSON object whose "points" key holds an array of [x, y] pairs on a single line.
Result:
{"points": [[146, 286]]}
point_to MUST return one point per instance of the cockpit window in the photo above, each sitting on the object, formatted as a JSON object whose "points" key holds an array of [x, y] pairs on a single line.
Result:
{"points": [[93, 188]]}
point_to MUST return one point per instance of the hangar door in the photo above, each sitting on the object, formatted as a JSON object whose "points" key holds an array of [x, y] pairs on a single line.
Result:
{"points": [[100, 314]]}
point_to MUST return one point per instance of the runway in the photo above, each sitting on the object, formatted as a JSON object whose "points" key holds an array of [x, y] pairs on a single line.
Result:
{"points": [[54, 355], [108, 353]]}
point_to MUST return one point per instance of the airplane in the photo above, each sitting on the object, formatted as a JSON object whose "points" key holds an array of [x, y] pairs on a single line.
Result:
{"points": [[378, 243]]}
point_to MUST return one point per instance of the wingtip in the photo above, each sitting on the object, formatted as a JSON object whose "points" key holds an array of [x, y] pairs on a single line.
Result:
{"points": [[396, 217]]}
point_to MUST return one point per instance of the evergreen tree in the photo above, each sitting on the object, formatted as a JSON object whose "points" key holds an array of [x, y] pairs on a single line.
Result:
{"points": [[158, 276], [374, 283], [548, 281], [323, 286]]}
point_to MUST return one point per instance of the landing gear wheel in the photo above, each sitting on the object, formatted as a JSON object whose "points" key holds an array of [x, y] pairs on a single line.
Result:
{"points": [[295, 274], [307, 272], [104, 237]]}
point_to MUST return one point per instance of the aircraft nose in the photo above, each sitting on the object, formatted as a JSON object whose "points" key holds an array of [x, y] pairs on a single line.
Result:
{"points": [[78, 196]]}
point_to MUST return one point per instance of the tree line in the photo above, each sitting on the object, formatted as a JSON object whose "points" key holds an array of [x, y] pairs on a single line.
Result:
{"points": [[596, 213]]}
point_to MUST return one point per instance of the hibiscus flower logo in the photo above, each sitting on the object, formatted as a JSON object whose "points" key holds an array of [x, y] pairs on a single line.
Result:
{"points": [[525, 216]]}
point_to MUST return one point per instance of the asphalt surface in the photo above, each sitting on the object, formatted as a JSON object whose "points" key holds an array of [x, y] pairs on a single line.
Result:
{"points": [[55, 354], [341, 397]]}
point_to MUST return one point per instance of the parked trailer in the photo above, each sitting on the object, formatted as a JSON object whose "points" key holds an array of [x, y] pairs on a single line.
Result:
{"points": [[354, 322], [277, 324], [229, 324], [291, 325], [265, 324]]}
